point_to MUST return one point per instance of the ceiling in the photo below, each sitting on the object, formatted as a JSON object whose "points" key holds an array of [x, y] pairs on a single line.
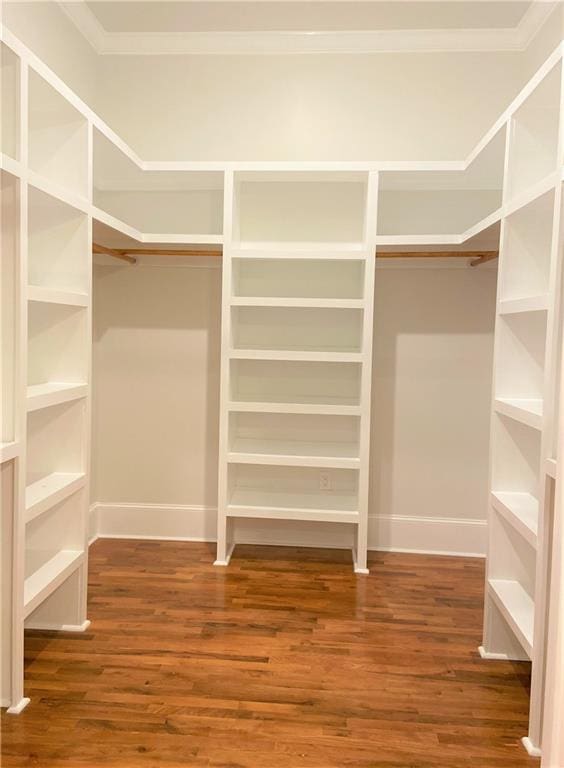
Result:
{"points": [[295, 26]]}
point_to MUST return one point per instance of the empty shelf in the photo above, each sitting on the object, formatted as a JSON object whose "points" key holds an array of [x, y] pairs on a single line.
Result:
{"points": [[551, 468], [517, 607], [296, 355], [294, 453], [525, 304], [327, 409], [282, 505], [521, 510], [55, 296], [45, 580], [274, 301], [54, 393], [50, 490], [8, 451], [526, 411]]}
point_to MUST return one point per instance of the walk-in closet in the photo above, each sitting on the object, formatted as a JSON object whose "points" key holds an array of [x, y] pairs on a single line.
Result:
{"points": [[281, 371]]}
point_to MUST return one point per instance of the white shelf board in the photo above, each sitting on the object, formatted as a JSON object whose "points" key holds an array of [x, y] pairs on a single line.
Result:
{"points": [[532, 193], [551, 468], [525, 304], [267, 301], [47, 295], [45, 580], [294, 453], [296, 355], [8, 164], [521, 510], [517, 607], [57, 192], [331, 252], [49, 491], [309, 249], [322, 409], [526, 411], [287, 506], [54, 393], [9, 451]]}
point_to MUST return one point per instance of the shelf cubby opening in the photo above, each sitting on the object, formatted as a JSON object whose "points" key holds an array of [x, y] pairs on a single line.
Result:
{"points": [[308, 383], [57, 344], [58, 138], [442, 202], [292, 329], [292, 492], [533, 148], [516, 457], [54, 548], [55, 442], [298, 279], [289, 207], [58, 255], [9, 288], [520, 363], [294, 439], [164, 202], [511, 579], [10, 103], [527, 248]]}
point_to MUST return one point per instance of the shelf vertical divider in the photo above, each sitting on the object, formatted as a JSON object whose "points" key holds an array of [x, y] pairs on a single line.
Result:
{"points": [[224, 524]]}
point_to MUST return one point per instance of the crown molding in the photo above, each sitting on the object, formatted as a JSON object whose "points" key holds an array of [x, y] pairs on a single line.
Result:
{"points": [[368, 41]]}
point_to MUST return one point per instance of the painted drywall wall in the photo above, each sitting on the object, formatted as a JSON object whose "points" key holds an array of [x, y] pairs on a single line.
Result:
{"points": [[343, 107], [156, 396], [49, 33], [285, 106]]}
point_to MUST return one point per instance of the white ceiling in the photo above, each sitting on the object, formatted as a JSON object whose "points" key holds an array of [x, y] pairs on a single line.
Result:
{"points": [[295, 26]]}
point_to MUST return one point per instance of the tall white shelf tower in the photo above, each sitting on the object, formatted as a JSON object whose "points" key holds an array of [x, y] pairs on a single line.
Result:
{"points": [[46, 330], [523, 413], [297, 314]]}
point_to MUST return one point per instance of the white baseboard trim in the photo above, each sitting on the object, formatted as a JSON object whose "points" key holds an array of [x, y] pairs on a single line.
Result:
{"points": [[18, 708], [492, 656], [46, 626], [530, 747], [183, 522]]}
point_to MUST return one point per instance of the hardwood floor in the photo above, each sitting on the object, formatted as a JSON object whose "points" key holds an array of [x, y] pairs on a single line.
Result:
{"points": [[283, 660]]}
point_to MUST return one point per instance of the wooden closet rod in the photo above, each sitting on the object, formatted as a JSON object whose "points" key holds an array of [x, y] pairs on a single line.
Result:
{"points": [[128, 254]]}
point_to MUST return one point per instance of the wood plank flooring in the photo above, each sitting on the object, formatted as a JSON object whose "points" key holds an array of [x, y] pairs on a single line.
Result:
{"points": [[283, 660]]}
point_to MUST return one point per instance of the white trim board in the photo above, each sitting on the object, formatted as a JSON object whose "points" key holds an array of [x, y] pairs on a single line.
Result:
{"points": [[104, 42], [185, 522]]}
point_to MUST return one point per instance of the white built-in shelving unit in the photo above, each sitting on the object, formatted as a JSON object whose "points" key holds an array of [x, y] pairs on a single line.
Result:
{"points": [[525, 363], [46, 329], [299, 241], [298, 287]]}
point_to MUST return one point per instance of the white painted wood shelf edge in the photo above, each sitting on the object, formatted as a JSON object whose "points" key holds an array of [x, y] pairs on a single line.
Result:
{"points": [[45, 580], [517, 607], [49, 491], [54, 393]]}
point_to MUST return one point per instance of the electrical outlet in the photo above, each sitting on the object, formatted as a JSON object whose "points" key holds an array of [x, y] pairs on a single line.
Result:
{"points": [[324, 481]]}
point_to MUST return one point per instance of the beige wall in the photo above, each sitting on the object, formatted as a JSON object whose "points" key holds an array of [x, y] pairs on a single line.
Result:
{"points": [[47, 31], [156, 360], [343, 107]]}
